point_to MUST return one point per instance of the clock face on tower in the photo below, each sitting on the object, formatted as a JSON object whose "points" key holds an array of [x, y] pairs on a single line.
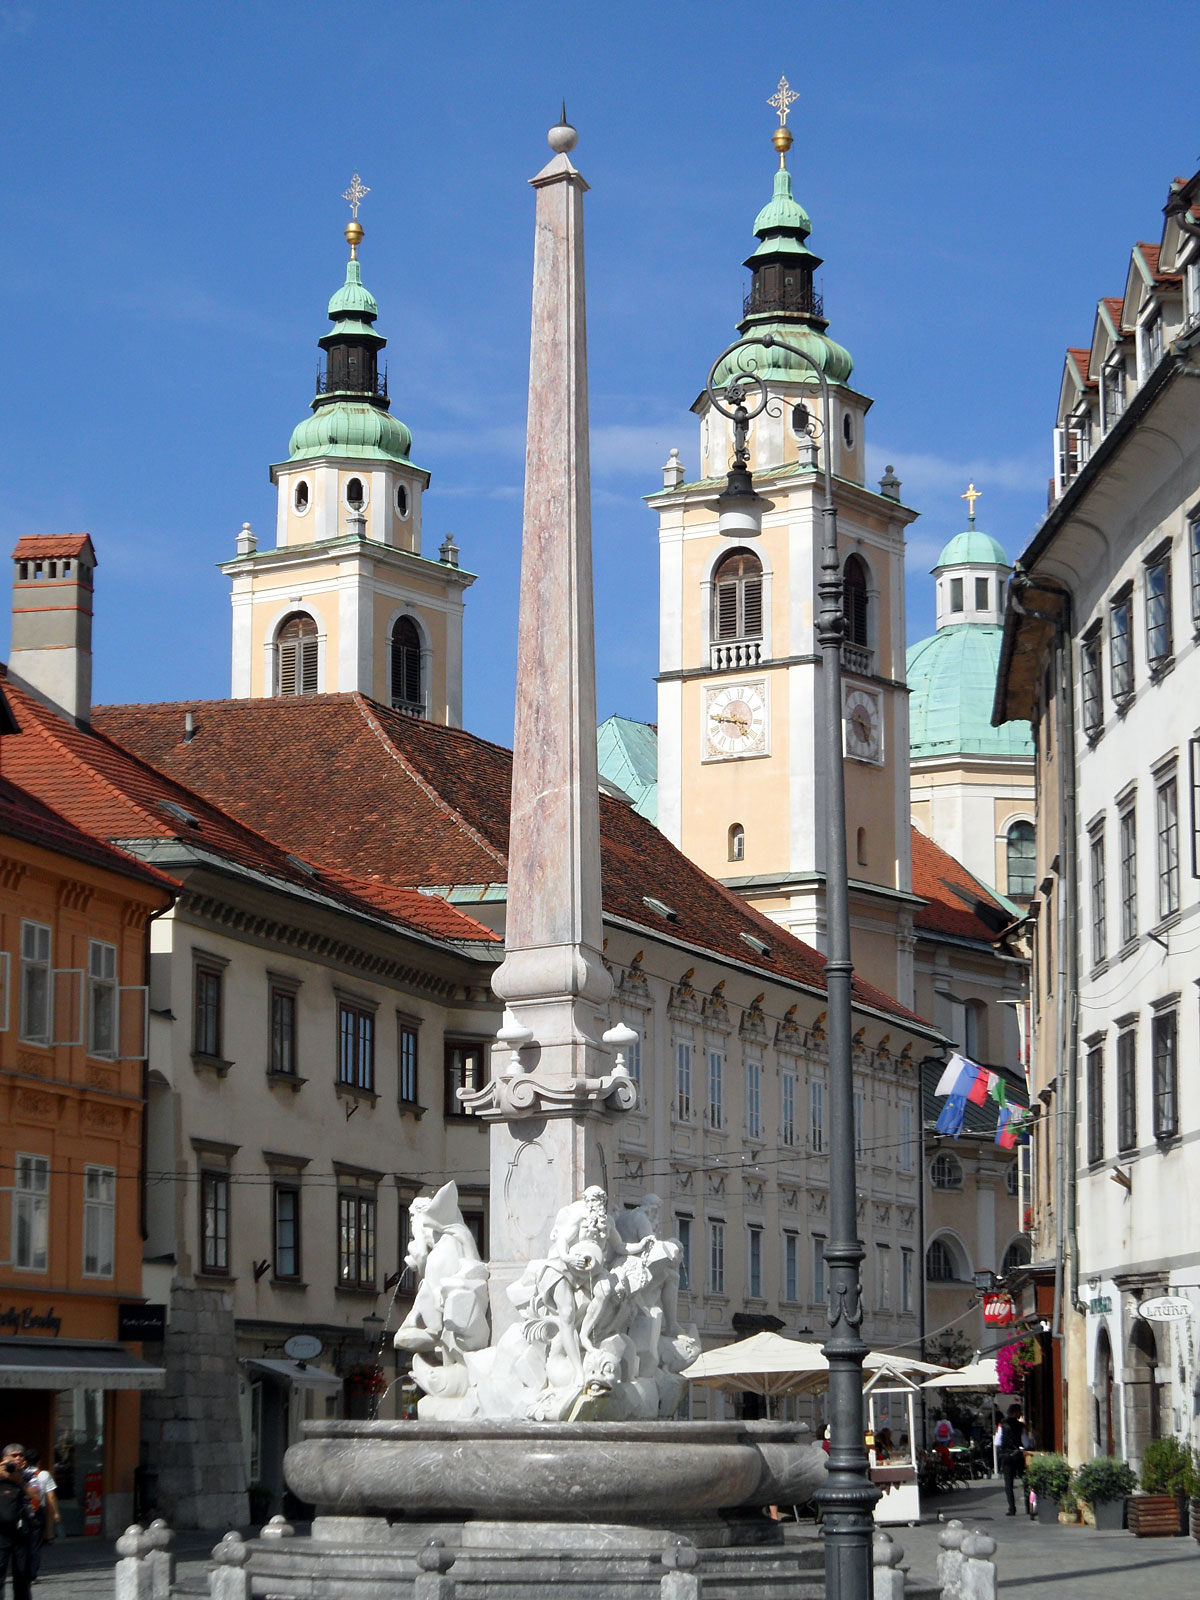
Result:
{"points": [[735, 720], [863, 726]]}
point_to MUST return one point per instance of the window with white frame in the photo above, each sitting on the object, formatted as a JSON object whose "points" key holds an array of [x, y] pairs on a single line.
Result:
{"points": [[683, 1080], [816, 1121], [906, 1280], [683, 1232], [754, 1099], [1120, 646], [754, 1263], [31, 1213], [99, 1220], [787, 1109], [716, 1257], [946, 1172], [1092, 683], [1114, 393], [791, 1266], [1127, 837], [356, 1241], [1163, 1041], [102, 999], [716, 1088], [906, 1138], [883, 1277], [1099, 910], [818, 1270], [1159, 641], [214, 1222], [36, 983], [1167, 805]]}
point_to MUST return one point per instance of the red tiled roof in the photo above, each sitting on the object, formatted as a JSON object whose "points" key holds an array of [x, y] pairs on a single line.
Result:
{"points": [[958, 903], [407, 802], [23, 816], [31, 545], [1082, 359], [1150, 254], [108, 792], [1116, 309]]}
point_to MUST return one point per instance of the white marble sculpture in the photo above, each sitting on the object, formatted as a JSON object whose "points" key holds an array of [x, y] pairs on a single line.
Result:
{"points": [[597, 1333]]}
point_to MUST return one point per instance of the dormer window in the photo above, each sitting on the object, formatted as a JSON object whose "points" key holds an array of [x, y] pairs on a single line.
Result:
{"points": [[1114, 393], [1154, 340]]}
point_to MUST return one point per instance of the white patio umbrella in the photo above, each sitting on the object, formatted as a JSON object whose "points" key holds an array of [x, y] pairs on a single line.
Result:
{"points": [[770, 1364], [980, 1374]]}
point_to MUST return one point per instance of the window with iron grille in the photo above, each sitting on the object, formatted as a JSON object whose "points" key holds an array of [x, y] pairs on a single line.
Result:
{"points": [[1099, 910], [356, 1046], [1092, 683], [855, 601], [464, 1069], [1095, 1103], [1163, 1038], [1159, 644], [737, 597], [296, 646], [206, 1040], [356, 1241], [1127, 1089], [1127, 833], [1120, 648], [283, 1031], [406, 664], [1168, 847], [285, 1205], [214, 1222]]}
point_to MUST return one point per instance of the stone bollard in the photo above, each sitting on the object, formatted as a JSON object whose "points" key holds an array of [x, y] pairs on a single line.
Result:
{"points": [[431, 1582], [886, 1556], [278, 1528], [979, 1570], [134, 1577], [950, 1560], [228, 1578], [159, 1560], [680, 1581]]}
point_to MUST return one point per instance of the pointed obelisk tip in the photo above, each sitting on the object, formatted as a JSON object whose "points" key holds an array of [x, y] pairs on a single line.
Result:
{"points": [[562, 136]]}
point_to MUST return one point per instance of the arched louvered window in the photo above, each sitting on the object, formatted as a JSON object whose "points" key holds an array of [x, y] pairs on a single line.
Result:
{"points": [[854, 601], [296, 655], [406, 667], [737, 597], [1021, 852]]}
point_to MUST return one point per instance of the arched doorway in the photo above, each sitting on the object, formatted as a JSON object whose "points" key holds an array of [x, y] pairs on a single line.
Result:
{"points": [[1102, 1393], [1142, 1422]]}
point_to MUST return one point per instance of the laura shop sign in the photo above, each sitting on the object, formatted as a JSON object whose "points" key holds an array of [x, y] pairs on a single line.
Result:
{"points": [[1166, 1308]]}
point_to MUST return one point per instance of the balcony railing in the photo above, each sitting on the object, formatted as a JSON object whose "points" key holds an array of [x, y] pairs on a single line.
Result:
{"points": [[734, 653], [409, 708], [800, 297], [857, 658], [346, 385]]}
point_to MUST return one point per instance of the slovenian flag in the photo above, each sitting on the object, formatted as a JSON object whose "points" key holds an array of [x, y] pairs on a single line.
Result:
{"points": [[983, 1087], [1006, 1128]]}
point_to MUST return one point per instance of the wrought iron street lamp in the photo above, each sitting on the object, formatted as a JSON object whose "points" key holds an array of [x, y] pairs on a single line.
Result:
{"points": [[848, 1496]]}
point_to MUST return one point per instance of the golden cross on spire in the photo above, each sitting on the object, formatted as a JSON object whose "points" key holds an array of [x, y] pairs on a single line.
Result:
{"points": [[970, 497], [782, 101], [353, 195]]}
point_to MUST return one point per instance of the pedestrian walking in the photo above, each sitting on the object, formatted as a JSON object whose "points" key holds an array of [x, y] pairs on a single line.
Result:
{"points": [[1010, 1454], [16, 1511], [46, 1517]]}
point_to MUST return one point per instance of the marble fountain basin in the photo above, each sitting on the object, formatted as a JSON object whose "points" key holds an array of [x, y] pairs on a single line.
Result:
{"points": [[565, 1471]]}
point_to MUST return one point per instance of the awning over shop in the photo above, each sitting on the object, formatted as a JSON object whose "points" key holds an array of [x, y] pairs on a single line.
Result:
{"points": [[297, 1372], [74, 1364]]}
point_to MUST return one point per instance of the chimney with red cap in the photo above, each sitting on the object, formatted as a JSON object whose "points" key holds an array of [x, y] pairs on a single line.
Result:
{"points": [[51, 652]]}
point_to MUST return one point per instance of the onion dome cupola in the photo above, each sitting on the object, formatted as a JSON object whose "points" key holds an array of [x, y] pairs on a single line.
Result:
{"points": [[351, 408], [782, 298]]}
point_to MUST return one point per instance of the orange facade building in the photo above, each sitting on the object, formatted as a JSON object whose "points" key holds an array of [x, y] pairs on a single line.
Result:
{"points": [[74, 916]]}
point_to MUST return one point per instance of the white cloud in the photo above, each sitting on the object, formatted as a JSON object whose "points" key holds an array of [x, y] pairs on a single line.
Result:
{"points": [[924, 475]]}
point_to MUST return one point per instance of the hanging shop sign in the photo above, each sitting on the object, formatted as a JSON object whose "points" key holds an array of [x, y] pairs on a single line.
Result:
{"points": [[1100, 1305], [302, 1347], [998, 1310], [1166, 1308], [147, 1322]]}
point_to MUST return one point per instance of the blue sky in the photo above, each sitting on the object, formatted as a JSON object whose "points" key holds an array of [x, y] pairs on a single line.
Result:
{"points": [[170, 193]]}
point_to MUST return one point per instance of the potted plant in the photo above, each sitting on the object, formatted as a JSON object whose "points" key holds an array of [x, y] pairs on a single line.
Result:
{"points": [[1168, 1479], [1049, 1476], [1104, 1484]]}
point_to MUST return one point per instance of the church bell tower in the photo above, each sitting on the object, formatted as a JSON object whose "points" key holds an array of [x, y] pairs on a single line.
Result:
{"points": [[740, 702], [346, 600]]}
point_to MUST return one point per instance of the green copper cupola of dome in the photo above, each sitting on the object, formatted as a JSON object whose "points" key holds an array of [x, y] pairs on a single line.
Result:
{"points": [[350, 409], [782, 299]]}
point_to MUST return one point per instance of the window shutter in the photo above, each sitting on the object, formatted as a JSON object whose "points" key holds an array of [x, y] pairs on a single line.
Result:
{"points": [[727, 611], [752, 608], [287, 669], [308, 667]]}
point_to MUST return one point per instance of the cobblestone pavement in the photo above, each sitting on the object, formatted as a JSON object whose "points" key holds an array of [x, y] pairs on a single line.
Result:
{"points": [[1045, 1563], [1053, 1562]]}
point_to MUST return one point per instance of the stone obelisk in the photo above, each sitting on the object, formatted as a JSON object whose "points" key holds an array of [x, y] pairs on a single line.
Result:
{"points": [[555, 1087]]}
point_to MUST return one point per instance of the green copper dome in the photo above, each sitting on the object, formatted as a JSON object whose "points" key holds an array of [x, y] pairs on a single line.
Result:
{"points": [[352, 298], [973, 549], [773, 363], [344, 428], [782, 213], [952, 681]]}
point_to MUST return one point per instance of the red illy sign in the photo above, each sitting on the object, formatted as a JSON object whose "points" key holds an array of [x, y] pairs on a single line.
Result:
{"points": [[997, 1310]]}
